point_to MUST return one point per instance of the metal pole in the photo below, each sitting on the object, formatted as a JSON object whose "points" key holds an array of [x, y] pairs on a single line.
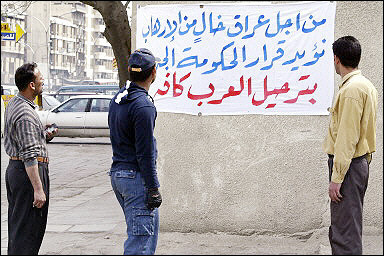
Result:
{"points": [[33, 52], [47, 42]]}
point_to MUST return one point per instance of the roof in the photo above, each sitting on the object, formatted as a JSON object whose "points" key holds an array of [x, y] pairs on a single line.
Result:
{"points": [[93, 96]]}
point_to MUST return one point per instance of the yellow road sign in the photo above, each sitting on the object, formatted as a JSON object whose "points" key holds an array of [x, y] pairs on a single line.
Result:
{"points": [[5, 28], [8, 34], [19, 32]]}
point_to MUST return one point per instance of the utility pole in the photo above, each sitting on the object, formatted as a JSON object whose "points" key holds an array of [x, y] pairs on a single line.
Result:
{"points": [[47, 43]]}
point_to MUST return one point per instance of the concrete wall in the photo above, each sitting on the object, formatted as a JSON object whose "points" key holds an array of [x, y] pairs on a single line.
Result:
{"points": [[263, 174]]}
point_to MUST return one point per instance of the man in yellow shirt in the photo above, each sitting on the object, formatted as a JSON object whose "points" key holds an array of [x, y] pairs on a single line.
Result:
{"points": [[350, 142]]}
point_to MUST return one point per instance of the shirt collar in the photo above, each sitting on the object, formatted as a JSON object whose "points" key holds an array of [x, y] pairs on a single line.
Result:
{"points": [[349, 75], [26, 100]]}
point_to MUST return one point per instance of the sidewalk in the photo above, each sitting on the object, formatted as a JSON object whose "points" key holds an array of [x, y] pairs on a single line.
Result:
{"points": [[85, 217]]}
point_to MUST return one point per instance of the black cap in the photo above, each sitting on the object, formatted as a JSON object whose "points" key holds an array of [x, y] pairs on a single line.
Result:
{"points": [[141, 60]]}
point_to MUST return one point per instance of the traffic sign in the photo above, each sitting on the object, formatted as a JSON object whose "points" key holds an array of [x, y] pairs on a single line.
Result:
{"points": [[19, 32], [7, 34]]}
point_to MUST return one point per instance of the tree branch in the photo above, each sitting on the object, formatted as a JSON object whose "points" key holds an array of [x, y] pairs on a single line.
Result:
{"points": [[90, 3]]}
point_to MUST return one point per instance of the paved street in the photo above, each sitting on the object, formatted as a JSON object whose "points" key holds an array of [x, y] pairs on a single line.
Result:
{"points": [[85, 218]]}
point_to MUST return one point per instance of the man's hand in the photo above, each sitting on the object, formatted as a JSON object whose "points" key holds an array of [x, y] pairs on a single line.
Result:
{"points": [[39, 198], [51, 131], [334, 192], [154, 198]]}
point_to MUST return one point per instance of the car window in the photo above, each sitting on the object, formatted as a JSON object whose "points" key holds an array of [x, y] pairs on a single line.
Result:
{"points": [[50, 102], [7, 92], [100, 105], [74, 105]]}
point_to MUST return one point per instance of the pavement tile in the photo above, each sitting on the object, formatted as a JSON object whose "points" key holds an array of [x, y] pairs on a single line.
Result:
{"points": [[86, 219], [91, 228], [57, 228]]}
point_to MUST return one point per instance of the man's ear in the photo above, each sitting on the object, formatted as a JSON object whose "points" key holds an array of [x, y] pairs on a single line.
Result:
{"points": [[32, 85], [337, 60]]}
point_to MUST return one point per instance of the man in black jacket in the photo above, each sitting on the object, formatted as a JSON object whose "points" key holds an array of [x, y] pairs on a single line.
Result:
{"points": [[131, 121]]}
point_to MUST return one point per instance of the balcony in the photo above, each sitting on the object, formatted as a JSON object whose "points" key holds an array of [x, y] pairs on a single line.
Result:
{"points": [[102, 56], [79, 8], [64, 36], [99, 27], [101, 41]]}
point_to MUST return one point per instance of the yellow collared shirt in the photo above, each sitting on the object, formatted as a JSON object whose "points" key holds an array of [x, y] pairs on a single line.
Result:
{"points": [[352, 129]]}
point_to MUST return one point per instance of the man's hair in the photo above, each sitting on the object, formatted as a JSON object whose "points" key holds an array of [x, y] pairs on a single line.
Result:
{"points": [[140, 76], [348, 50], [24, 75]]}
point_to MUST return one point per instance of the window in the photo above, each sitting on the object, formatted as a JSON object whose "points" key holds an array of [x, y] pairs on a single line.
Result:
{"points": [[100, 105], [74, 105]]}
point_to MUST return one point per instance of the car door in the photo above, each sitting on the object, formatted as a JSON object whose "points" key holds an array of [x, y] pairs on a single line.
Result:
{"points": [[70, 117], [96, 120]]}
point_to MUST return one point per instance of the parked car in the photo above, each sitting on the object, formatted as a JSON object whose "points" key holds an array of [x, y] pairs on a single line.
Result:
{"points": [[80, 116], [62, 96], [49, 102], [9, 89], [104, 89]]}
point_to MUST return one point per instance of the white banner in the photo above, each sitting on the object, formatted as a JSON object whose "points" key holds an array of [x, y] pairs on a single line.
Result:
{"points": [[235, 59]]}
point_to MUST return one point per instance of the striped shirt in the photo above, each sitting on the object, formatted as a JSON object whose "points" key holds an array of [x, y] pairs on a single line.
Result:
{"points": [[24, 134]]}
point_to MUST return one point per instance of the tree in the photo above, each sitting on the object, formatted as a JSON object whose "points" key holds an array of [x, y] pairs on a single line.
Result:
{"points": [[14, 7], [117, 32]]}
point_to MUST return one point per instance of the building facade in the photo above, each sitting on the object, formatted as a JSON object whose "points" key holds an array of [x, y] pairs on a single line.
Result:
{"points": [[12, 52], [70, 34]]}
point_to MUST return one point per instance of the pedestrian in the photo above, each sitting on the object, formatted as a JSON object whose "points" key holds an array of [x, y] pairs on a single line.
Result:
{"points": [[350, 142], [131, 121], [26, 177]]}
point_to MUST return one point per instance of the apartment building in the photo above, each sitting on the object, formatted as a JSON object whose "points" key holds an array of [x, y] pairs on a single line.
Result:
{"points": [[12, 52], [99, 54], [70, 34]]}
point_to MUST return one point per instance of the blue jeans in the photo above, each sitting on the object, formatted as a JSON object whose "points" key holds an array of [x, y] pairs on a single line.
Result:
{"points": [[142, 223]]}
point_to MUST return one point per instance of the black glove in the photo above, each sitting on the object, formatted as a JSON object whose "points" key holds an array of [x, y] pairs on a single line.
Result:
{"points": [[154, 198]]}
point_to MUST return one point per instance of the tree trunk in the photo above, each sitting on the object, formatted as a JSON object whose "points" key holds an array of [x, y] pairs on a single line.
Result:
{"points": [[117, 32]]}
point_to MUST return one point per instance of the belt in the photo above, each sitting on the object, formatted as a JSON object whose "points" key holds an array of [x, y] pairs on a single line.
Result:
{"points": [[39, 159], [367, 155]]}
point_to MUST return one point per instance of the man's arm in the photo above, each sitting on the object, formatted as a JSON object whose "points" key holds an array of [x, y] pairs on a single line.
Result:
{"points": [[347, 138], [27, 135], [39, 197], [348, 135], [144, 142]]}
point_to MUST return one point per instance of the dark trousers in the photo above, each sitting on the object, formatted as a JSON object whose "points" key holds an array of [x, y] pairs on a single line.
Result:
{"points": [[26, 224], [345, 232]]}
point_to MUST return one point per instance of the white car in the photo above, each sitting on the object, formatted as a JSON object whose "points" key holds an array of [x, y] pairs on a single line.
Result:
{"points": [[80, 116], [49, 102]]}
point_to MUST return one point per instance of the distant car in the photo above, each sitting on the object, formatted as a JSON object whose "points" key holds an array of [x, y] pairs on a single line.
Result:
{"points": [[80, 116], [62, 96], [111, 89], [9, 89]]}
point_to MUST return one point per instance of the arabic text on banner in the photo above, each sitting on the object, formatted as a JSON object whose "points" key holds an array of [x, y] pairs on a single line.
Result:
{"points": [[222, 59]]}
